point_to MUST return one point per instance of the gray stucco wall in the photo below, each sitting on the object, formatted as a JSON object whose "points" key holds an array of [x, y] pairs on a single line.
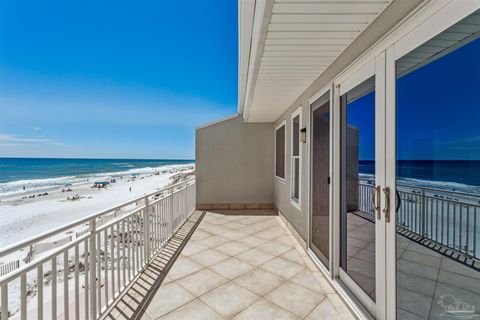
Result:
{"points": [[394, 13], [234, 162]]}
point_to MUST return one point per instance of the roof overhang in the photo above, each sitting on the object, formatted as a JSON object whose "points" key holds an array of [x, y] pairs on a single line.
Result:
{"points": [[284, 45]]}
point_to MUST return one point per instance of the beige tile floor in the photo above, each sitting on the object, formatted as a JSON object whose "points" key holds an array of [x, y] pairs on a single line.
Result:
{"points": [[244, 267], [361, 252], [423, 275]]}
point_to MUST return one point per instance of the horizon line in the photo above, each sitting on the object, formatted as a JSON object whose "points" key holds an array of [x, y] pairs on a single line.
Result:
{"points": [[93, 158]]}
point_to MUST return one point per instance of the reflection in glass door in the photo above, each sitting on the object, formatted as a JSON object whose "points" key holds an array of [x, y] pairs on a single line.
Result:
{"points": [[320, 166], [357, 221], [438, 176]]}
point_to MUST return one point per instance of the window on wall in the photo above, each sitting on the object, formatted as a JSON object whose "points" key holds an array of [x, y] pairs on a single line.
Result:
{"points": [[280, 151], [295, 163]]}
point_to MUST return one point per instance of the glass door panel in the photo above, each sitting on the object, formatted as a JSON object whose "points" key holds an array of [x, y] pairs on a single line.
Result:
{"points": [[358, 180], [320, 166], [438, 176]]}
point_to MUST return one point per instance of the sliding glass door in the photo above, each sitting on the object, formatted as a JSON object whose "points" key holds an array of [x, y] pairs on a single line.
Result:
{"points": [[361, 229], [436, 175], [320, 179]]}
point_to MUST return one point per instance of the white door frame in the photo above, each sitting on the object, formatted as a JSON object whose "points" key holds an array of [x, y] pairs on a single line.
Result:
{"points": [[327, 90], [375, 67], [439, 21]]}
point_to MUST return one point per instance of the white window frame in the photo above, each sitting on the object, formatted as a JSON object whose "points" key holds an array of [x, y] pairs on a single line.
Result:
{"points": [[281, 124], [296, 202]]}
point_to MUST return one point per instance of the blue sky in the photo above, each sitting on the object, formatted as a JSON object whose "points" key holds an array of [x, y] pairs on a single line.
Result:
{"points": [[114, 79], [438, 110]]}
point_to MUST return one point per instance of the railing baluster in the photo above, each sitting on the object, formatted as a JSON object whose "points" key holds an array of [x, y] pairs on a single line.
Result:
{"points": [[93, 270], [23, 296], [171, 212], [124, 240], [442, 216], [454, 224], [129, 233], [54, 287], [40, 292], [98, 279], [87, 283], [118, 258], [475, 233], [436, 219], [4, 291], [77, 285], [460, 229], [137, 241], [112, 260], [133, 242], [467, 247], [65, 286], [448, 223], [146, 231], [105, 257]]}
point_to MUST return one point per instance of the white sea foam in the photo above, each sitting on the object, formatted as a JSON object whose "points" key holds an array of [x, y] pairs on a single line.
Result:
{"points": [[440, 185], [14, 188]]}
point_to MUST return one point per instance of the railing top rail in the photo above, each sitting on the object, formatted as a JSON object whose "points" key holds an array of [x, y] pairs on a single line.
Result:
{"points": [[47, 234]]}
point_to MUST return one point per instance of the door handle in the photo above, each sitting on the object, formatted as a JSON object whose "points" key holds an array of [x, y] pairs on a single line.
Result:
{"points": [[386, 210], [376, 206]]}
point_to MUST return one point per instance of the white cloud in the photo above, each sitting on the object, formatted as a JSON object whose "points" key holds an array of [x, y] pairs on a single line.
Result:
{"points": [[36, 129], [10, 140]]}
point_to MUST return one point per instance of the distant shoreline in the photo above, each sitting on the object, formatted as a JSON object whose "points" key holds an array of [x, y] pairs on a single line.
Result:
{"points": [[22, 217], [26, 176]]}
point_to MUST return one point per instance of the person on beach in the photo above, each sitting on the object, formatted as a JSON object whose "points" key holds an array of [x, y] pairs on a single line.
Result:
{"points": [[130, 189], [23, 188]]}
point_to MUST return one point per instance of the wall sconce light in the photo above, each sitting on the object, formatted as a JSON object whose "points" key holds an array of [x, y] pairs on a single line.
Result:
{"points": [[303, 135]]}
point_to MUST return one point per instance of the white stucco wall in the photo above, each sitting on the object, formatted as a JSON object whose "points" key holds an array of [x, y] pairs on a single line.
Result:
{"points": [[234, 162]]}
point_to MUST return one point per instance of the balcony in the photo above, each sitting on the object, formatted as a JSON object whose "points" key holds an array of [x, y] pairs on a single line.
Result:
{"points": [[157, 258], [241, 266]]}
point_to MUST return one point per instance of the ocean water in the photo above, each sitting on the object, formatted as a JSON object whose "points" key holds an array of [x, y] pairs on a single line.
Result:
{"points": [[42, 174], [451, 175]]}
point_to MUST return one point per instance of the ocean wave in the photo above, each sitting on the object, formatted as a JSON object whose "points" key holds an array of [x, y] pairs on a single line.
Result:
{"points": [[430, 184], [441, 185], [36, 185]]}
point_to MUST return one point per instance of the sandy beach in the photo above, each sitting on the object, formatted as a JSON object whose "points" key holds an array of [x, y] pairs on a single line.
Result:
{"points": [[25, 218]]}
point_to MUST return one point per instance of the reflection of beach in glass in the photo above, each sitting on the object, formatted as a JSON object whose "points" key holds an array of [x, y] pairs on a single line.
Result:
{"points": [[438, 178]]}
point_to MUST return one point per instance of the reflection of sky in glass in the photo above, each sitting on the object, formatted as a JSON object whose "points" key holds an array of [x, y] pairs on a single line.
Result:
{"points": [[361, 115], [438, 110]]}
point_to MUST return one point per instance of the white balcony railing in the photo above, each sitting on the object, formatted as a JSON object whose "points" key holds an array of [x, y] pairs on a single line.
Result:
{"points": [[449, 218], [80, 277]]}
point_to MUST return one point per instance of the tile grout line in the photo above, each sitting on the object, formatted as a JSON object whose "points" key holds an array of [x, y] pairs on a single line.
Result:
{"points": [[141, 309]]}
